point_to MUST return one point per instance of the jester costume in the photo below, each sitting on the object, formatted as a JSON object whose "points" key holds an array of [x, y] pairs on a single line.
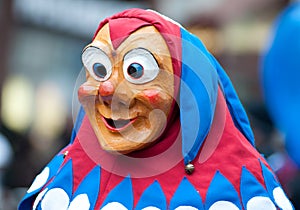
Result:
{"points": [[204, 159]]}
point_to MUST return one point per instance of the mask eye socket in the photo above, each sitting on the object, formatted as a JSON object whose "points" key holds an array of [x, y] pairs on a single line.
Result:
{"points": [[140, 66], [97, 63]]}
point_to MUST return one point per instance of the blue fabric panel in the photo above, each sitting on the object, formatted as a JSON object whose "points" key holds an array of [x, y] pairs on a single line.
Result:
{"points": [[270, 181], [122, 194], [198, 93], [152, 196], [250, 187], [186, 195], [90, 186], [64, 179], [77, 124], [29, 198], [218, 185]]}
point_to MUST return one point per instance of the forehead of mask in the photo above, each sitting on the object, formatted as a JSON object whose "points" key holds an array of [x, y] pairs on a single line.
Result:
{"points": [[121, 28]]}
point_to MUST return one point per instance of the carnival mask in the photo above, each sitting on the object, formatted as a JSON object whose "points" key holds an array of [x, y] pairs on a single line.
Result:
{"points": [[129, 89]]}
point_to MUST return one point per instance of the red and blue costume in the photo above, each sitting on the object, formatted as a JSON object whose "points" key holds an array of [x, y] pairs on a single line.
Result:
{"points": [[207, 129]]}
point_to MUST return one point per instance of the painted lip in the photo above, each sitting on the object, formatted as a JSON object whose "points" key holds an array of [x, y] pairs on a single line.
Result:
{"points": [[117, 125]]}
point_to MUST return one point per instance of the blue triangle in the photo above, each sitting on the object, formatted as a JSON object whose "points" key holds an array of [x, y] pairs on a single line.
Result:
{"points": [[152, 196], [186, 195], [269, 178], [218, 185], [90, 186], [270, 181], [122, 194], [250, 187]]}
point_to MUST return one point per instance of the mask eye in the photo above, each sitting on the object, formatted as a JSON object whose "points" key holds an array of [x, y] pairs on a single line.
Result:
{"points": [[99, 70], [135, 70], [97, 63], [139, 66]]}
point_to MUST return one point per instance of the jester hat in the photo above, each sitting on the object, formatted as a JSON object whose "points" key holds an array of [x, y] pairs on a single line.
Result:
{"points": [[199, 72]]}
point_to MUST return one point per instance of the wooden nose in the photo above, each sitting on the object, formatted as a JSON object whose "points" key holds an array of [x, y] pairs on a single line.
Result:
{"points": [[106, 89]]}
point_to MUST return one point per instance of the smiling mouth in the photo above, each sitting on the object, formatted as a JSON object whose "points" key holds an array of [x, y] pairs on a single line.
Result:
{"points": [[117, 125]]}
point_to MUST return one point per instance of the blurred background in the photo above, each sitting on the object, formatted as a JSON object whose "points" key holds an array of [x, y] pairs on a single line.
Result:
{"points": [[40, 59]]}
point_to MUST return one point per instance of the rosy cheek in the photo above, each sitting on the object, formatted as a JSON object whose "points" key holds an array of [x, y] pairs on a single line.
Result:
{"points": [[154, 97], [87, 89]]}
